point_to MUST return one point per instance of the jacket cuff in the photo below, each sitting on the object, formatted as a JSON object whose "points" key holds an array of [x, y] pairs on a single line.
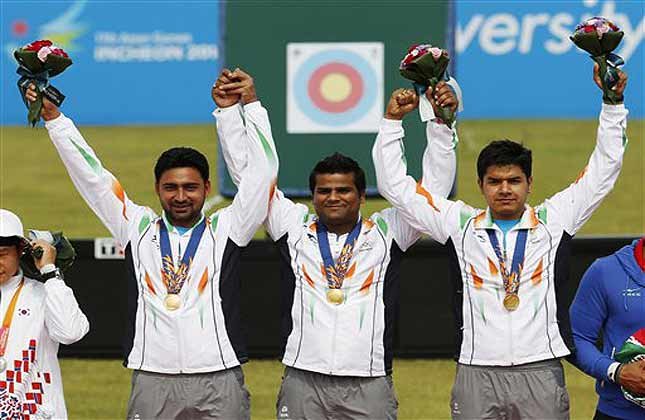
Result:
{"points": [[219, 111], [59, 122], [614, 109], [391, 127], [253, 105], [602, 367]]}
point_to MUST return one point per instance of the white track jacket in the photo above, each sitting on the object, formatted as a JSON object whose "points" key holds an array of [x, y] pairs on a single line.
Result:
{"points": [[45, 315], [205, 333], [539, 329], [354, 338]]}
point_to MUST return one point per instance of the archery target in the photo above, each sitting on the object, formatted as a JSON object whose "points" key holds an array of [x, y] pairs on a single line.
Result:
{"points": [[334, 87]]}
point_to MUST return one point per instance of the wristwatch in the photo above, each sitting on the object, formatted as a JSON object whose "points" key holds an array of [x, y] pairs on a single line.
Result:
{"points": [[50, 271]]}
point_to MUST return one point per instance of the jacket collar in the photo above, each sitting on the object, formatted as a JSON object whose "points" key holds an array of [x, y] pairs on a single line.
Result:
{"points": [[529, 220], [172, 229]]}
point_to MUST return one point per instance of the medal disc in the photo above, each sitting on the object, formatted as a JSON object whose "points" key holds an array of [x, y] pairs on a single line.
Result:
{"points": [[335, 296], [3, 364], [172, 302], [511, 302]]}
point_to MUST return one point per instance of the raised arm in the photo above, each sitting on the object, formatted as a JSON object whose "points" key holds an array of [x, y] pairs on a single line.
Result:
{"points": [[577, 202], [421, 209], [65, 321], [231, 130], [439, 158], [258, 176], [98, 187]]}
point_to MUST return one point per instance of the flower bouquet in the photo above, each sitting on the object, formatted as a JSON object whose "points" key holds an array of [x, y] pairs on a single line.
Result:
{"points": [[632, 351], [39, 61], [600, 37], [425, 66]]}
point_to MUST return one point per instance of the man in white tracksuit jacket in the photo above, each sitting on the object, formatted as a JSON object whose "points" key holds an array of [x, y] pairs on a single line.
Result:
{"points": [[337, 352], [184, 338], [511, 261], [36, 317]]}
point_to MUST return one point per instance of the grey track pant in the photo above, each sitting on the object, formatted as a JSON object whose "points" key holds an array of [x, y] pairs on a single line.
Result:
{"points": [[214, 395], [311, 395], [531, 391]]}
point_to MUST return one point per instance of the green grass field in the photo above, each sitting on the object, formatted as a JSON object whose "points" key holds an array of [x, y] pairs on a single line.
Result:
{"points": [[33, 182], [99, 389]]}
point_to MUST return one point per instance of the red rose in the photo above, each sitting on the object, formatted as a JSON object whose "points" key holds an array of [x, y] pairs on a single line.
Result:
{"points": [[412, 47], [59, 51], [37, 45]]}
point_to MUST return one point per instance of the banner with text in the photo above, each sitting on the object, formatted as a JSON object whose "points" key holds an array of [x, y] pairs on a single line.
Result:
{"points": [[137, 62], [515, 59]]}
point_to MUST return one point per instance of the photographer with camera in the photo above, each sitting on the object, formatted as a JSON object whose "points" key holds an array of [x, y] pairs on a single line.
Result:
{"points": [[37, 315]]}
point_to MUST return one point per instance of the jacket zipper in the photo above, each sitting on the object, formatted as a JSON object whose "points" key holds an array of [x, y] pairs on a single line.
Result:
{"points": [[180, 341], [333, 342], [510, 314]]}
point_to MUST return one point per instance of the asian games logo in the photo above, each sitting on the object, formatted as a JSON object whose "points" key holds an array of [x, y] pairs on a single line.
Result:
{"points": [[63, 29]]}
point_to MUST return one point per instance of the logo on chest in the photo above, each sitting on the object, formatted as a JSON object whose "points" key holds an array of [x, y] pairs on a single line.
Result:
{"points": [[24, 312], [632, 292], [365, 246], [312, 238]]}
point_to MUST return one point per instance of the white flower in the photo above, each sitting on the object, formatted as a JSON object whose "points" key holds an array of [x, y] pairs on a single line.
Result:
{"points": [[436, 52], [44, 52], [602, 29]]}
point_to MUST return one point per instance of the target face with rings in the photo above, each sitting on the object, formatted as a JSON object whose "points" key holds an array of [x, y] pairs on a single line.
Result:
{"points": [[334, 87]]}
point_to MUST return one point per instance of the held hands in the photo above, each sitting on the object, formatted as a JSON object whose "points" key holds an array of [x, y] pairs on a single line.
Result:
{"points": [[49, 111], [619, 88], [49, 252], [402, 102], [632, 375], [232, 87]]}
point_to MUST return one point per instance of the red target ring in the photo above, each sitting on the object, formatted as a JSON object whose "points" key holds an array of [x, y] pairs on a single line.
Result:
{"points": [[314, 87]]}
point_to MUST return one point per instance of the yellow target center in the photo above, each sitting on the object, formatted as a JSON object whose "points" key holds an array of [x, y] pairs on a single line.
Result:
{"points": [[335, 87]]}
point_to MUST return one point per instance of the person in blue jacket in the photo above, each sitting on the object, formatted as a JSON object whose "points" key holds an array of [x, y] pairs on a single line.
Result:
{"points": [[610, 302]]}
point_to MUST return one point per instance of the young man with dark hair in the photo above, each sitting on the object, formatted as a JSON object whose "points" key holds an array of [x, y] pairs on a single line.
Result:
{"points": [[184, 335], [512, 323], [340, 276], [338, 164], [37, 317], [610, 304], [504, 153]]}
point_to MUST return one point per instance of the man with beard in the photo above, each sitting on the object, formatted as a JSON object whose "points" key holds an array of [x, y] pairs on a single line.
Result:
{"points": [[184, 335]]}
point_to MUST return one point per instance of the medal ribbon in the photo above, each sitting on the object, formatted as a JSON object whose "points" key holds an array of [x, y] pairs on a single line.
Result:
{"points": [[8, 317], [175, 277], [335, 272], [511, 278]]}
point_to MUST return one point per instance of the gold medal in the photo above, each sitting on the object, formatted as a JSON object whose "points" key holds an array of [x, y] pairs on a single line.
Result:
{"points": [[511, 301], [335, 296], [172, 302]]}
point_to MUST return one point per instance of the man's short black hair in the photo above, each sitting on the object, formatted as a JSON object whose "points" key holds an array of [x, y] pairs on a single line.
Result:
{"points": [[503, 153], [338, 164], [181, 157]]}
